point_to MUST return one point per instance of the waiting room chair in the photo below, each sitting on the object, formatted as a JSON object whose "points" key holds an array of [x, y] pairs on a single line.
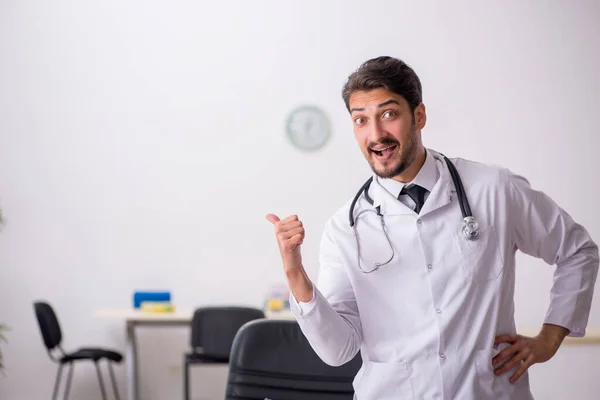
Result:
{"points": [[212, 332], [52, 336], [273, 359]]}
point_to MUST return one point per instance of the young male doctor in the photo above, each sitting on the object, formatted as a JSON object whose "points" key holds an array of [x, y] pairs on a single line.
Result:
{"points": [[431, 311]]}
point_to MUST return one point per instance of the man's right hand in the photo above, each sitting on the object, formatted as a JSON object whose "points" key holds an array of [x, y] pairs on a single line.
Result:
{"points": [[290, 236]]}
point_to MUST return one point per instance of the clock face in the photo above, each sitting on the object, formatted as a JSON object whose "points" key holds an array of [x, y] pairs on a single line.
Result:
{"points": [[308, 127]]}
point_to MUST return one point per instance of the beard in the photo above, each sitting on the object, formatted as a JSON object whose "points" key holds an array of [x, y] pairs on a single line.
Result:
{"points": [[401, 160]]}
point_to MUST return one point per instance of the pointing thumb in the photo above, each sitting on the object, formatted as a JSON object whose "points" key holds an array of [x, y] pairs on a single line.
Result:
{"points": [[272, 218]]}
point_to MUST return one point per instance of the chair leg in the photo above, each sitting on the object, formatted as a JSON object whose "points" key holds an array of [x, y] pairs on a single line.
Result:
{"points": [[69, 379], [100, 380], [57, 381], [186, 378], [114, 381]]}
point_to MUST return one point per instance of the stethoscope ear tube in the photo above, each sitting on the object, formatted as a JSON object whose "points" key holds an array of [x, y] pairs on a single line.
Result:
{"points": [[462, 197], [364, 188]]}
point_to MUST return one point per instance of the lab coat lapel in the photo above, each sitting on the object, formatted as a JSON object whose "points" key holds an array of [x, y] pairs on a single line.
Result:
{"points": [[443, 192], [389, 205]]}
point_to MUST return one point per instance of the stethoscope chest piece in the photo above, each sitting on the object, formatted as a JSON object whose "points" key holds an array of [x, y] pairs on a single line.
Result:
{"points": [[470, 229]]}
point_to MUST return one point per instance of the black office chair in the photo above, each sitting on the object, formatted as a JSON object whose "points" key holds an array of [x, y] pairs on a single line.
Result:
{"points": [[212, 333], [52, 335], [273, 359]]}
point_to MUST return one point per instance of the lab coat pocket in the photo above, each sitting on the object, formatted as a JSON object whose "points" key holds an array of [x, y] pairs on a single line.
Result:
{"points": [[384, 381], [489, 385], [481, 258]]}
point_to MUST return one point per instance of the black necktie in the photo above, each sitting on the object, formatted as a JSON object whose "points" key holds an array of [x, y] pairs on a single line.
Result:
{"points": [[416, 193]]}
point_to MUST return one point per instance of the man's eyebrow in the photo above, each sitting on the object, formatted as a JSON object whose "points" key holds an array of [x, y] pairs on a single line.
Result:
{"points": [[385, 103]]}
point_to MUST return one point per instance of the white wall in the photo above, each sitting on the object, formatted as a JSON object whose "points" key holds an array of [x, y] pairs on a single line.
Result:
{"points": [[142, 143]]}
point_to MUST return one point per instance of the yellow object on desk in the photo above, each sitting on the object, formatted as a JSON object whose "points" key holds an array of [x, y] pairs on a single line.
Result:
{"points": [[157, 307], [275, 304]]}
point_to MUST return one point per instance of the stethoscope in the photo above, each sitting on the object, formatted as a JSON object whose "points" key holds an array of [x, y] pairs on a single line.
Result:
{"points": [[469, 231]]}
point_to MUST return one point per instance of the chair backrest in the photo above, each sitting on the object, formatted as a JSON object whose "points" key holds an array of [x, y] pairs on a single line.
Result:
{"points": [[273, 359], [213, 328], [48, 323]]}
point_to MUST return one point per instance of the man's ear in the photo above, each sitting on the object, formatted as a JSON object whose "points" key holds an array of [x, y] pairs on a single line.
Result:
{"points": [[420, 115]]}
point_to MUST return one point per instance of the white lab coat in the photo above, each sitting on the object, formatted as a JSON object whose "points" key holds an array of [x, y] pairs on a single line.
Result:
{"points": [[425, 323]]}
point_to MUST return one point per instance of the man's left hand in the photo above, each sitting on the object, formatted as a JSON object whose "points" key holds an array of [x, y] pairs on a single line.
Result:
{"points": [[526, 351]]}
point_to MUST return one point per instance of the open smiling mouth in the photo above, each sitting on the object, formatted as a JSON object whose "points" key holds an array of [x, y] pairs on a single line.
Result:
{"points": [[385, 152]]}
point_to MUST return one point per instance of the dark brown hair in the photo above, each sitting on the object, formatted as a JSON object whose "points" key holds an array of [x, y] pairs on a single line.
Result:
{"points": [[388, 73]]}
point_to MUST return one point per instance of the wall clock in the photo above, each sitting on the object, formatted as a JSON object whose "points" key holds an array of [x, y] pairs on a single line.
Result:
{"points": [[308, 127]]}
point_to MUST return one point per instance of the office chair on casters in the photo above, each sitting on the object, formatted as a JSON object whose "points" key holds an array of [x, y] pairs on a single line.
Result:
{"points": [[212, 333], [272, 359], [52, 335]]}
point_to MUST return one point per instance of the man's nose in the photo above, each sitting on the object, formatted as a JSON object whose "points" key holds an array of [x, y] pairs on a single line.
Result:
{"points": [[376, 132]]}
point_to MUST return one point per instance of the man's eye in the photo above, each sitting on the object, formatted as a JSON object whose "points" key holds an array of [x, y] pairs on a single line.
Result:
{"points": [[359, 121], [389, 114]]}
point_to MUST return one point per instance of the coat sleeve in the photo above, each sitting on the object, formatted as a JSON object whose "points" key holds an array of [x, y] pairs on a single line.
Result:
{"points": [[330, 321], [540, 228]]}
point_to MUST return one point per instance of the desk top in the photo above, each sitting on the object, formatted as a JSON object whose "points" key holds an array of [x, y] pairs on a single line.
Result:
{"points": [[136, 315], [183, 316]]}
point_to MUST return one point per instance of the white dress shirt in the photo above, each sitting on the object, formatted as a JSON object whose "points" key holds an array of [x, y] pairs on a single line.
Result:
{"points": [[425, 323], [426, 178]]}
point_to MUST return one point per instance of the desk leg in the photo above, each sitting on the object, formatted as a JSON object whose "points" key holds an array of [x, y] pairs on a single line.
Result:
{"points": [[131, 362]]}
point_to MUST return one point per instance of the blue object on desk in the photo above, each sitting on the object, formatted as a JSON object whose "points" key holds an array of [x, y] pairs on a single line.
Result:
{"points": [[139, 297]]}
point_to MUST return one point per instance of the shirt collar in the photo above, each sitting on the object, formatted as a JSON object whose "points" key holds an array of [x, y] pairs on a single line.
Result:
{"points": [[426, 177]]}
